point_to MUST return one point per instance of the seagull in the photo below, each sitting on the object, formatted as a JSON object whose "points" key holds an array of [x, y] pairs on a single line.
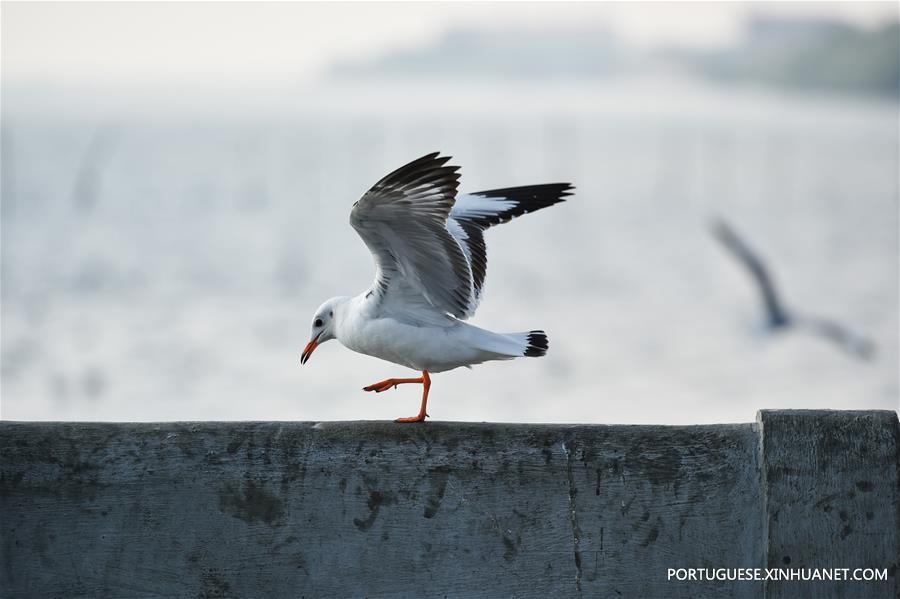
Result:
{"points": [[430, 265], [777, 315]]}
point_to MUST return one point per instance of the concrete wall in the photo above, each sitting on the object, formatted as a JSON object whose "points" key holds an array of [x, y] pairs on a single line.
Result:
{"points": [[374, 509]]}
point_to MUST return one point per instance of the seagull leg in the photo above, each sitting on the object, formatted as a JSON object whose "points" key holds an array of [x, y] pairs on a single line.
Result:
{"points": [[388, 383], [426, 385]]}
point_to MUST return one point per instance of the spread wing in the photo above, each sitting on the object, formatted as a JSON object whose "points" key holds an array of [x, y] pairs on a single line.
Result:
{"points": [[474, 213], [419, 265], [776, 314]]}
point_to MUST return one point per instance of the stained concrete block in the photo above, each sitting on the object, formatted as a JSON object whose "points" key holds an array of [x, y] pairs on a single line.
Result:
{"points": [[374, 509], [831, 491]]}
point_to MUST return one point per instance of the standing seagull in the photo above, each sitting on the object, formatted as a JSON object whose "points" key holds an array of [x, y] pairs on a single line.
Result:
{"points": [[430, 265], [777, 316]]}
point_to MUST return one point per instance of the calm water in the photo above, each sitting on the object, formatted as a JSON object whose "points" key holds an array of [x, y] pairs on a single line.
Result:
{"points": [[167, 268]]}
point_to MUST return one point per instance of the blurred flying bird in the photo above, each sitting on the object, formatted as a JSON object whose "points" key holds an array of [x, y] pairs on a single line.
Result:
{"points": [[777, 315], [430, 265]]}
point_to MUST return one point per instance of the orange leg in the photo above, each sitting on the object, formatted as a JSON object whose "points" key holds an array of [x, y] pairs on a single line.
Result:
{"points": [[387, 384]]}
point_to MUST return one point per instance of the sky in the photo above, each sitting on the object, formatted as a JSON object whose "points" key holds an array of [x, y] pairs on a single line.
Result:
{"points": [[195, 44]]}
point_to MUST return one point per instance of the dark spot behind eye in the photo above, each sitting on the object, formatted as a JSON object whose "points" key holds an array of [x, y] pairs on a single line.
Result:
{"points": [[331, 313], [318, 322]]}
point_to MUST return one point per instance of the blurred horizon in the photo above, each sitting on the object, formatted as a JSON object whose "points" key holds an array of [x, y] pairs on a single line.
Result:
{"points": [[118, 59], [176, 182]]}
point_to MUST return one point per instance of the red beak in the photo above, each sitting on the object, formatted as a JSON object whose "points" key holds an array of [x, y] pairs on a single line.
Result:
{"points": [[309, 349]]}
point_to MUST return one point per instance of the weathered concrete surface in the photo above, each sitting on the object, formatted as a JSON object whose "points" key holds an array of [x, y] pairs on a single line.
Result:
{"points": [[831, 497], [370, 509]]}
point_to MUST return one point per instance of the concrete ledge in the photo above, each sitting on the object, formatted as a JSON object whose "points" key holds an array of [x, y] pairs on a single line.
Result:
{"points": [[445, 509]]}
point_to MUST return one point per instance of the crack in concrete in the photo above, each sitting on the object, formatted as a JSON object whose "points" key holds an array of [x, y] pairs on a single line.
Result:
{"points": [[573, 517]]}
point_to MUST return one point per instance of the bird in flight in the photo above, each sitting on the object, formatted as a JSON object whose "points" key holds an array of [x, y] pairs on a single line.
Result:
{"points": [[777, 315], [430, 264]]}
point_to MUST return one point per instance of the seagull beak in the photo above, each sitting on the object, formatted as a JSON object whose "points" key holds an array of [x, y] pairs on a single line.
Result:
{"points": [[309, 349]]}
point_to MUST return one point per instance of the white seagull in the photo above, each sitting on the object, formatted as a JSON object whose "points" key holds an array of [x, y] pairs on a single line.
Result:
{"points": [[430, 264]]}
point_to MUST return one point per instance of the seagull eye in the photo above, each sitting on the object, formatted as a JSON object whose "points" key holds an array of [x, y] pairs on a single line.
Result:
{"points": [[317, 323]]}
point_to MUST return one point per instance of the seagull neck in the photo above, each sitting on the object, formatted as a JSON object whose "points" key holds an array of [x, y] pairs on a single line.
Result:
{"points": [[351, 308], [341, 306]]}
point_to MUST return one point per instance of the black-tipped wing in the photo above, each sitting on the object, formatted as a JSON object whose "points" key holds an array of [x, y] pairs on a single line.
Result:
{"points": [[775, 312], [403, 221], [475, 212]]}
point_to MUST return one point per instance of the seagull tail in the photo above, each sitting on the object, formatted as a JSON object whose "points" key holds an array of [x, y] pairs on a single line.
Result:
{"points": [[503, 346], [532, 344]]}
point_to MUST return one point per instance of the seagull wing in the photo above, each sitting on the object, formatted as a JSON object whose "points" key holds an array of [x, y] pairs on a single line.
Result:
{"points": [[775, 311], [473, 213], [420, 266], [853, 343]]}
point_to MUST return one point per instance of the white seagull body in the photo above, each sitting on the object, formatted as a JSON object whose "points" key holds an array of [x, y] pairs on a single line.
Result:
{"points": [[431, 260]]}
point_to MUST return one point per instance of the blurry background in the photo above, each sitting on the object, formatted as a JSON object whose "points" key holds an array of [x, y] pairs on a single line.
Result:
{"points": [[177, 179]]}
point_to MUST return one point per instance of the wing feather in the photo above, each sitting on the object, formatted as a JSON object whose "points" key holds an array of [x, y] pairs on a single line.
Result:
{"points": [[403, 221], [473, 213]]}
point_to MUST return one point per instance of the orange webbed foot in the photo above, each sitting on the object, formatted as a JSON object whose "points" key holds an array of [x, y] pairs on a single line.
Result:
{"points": [[388, 383], [419, 418], [382, 386]]}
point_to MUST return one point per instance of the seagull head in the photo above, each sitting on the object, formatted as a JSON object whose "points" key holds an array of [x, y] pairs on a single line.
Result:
{"points": [[322, 329]]}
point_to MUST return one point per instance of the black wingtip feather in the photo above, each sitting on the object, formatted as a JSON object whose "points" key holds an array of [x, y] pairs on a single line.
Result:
{"points": [[431, 169], [527, 198], [537, 344], [423, 163]]}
